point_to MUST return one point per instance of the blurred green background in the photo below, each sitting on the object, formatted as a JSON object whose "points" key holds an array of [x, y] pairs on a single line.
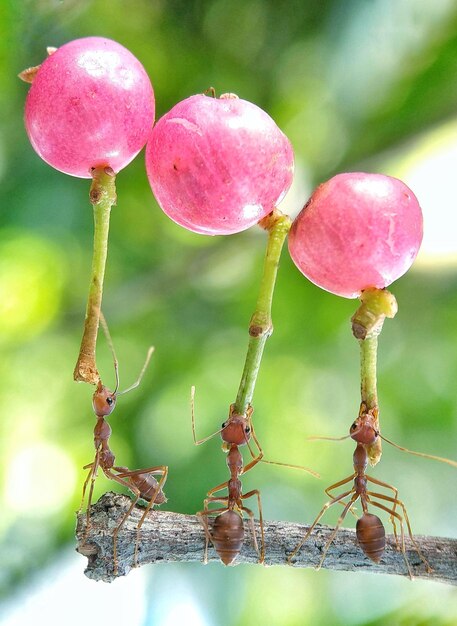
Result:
{"points": [[356, 84]]}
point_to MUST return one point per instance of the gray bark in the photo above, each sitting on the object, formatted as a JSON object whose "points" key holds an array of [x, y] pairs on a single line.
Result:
{"points": [[169, 537]]}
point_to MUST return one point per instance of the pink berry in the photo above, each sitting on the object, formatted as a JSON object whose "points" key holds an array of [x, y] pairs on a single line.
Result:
{"points": [[357, 231], [218, 166], [91, 104]]}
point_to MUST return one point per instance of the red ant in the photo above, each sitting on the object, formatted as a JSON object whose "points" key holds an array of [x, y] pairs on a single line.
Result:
{"points": [[140, 482], [370, 531], [227, 534]]}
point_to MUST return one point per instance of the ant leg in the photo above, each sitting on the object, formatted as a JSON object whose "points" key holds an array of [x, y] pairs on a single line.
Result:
{"points": [[392, 517], [216, 489], [252, 464], [259, 458], [89, 465], [259, 455], [157, 490], [400, 546], [396, 501], [125, 483], [92, 477], [253, 533], [220, 500], [160, 469], [256, 492], [321, 513], [335, 530], [329, 490], [203, 518]]}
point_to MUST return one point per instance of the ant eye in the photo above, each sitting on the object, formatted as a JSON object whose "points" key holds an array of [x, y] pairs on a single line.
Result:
{"points": [[354, 426], [224, 424], [109, 400], [247, 430]]}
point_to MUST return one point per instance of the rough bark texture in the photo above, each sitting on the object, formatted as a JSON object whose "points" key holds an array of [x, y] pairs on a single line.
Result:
{"points": [[168, 537]]}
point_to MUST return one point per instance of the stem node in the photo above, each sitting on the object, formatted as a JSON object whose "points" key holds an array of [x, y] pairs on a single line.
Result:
{"points": [[261, 326]]}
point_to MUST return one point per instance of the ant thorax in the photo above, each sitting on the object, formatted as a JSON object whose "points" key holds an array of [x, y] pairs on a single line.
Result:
{"points": [[234, 459], [360, 458], [102, 432]]}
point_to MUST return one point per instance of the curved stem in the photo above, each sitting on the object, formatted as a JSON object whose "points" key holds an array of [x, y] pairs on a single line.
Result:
{"points": [[260, 327], [102, 196]]}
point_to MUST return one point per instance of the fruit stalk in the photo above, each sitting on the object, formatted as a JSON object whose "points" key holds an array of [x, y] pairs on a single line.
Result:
{"points": [[368, 379], [260, 327], [102, 196], [367, 323]]}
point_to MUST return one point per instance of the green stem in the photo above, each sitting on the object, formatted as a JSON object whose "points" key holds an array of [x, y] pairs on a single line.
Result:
{"points": [[102, 196], [260, 327], [367, 323], [368, 360]]}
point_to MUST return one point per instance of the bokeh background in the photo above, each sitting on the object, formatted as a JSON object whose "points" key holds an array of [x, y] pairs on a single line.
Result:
{"points": [[356, 84]]}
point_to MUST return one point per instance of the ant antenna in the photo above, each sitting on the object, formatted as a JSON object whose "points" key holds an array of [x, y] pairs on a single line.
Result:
{"points": [[422, 454], [138, 380], [318, 438], [192, 410], [104, 325], [303, 468], [116, 365], [395, 445]]}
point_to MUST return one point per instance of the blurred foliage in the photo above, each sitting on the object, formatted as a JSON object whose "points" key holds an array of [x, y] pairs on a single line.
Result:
{"points": [[354, 84]]}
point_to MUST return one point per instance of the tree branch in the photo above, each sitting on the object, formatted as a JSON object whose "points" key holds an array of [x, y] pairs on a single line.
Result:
{"points": [[170, 537]]}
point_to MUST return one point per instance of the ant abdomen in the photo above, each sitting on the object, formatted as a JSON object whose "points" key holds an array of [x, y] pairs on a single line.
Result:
{"points": [[147, 486], [371, 536], [228, 536]]}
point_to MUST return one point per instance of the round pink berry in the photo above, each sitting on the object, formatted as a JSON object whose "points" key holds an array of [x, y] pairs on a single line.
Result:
{"points": [[357, 231], [91, 104], [218, 166]]}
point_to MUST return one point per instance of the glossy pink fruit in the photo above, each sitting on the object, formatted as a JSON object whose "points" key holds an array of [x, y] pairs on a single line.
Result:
{"points": [[357, 231], [218, 165], [91, 103]]}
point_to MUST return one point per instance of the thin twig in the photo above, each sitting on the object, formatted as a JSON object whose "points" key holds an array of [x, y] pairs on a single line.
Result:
{"points": [[170, 537]]}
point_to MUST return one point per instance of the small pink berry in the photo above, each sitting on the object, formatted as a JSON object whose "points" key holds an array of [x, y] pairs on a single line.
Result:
{"points": [[218, 165], [357, 231], [91, 104]]}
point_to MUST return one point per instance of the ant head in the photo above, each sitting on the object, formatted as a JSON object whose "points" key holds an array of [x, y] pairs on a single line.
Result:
{"points": [[103, 401], [363, 430], [237, 430]]}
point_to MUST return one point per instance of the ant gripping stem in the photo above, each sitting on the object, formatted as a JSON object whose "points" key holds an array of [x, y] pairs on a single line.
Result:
{"points": [[237, 430], [370, 530], [367, 323], [227, 533], [140, 482]]}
